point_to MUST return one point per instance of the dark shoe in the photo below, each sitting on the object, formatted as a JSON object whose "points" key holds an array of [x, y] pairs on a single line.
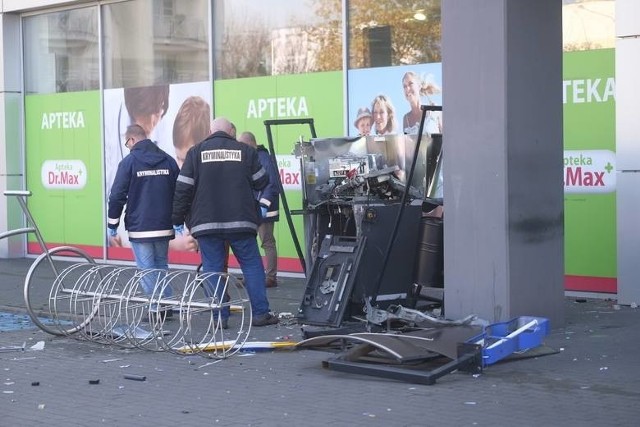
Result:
{"points": [[264, 320], [160, 316], [225, 323], [271, 283], [155, 318]]}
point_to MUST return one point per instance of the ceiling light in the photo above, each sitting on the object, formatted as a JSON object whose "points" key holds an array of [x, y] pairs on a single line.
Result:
{"points": [[419, 16]]}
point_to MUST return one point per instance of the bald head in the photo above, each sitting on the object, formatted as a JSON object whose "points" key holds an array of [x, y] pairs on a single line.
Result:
{"points": [[222, 125], [248, 138]]}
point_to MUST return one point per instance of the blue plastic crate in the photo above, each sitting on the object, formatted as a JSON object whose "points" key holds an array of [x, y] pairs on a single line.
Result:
{"points": [[500, 340]]}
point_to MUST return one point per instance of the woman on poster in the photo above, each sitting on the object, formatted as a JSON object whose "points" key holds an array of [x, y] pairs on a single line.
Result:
{"points": [[414, 88]]}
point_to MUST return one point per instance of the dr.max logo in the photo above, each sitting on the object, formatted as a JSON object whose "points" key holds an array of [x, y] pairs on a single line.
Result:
{"points": [[589, 171], [289, 171], [63, 174], [63, 120]]}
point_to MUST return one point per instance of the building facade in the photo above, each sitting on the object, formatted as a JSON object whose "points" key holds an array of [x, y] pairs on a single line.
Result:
{"points": [[76, 73]]}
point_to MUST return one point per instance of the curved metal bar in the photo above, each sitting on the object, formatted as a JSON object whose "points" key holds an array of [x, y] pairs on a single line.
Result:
{"points": [[27, 285], [107, 304]]}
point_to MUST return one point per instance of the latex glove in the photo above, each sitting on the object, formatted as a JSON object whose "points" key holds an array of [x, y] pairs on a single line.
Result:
{"points": [[263, 211], [113, 232], [179, 229]]}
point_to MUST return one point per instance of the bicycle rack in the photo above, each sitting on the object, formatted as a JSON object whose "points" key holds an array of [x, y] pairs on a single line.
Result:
{"points": [[106, 303], [109, 306]]}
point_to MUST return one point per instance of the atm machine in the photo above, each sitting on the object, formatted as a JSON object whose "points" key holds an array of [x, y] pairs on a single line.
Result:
{"points": [[364, 224]]}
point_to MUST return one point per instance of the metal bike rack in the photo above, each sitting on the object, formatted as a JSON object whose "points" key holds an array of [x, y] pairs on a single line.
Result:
{"points": [[106, 303], [109, 306]]}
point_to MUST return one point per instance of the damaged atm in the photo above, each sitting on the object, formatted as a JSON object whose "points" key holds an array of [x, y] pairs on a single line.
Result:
{"points": [[374, 263], [372, 215]]}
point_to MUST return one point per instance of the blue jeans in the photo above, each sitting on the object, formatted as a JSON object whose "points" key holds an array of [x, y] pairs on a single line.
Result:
{"points": [[248, 255], [152, 255]]}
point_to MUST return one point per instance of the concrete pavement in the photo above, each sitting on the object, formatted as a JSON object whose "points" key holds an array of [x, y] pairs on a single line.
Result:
{"points": [[592, 380]]}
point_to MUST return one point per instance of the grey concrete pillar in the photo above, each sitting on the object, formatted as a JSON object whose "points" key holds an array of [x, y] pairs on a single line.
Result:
{"points": [[11, 146], [503, 158], [628, 149]]}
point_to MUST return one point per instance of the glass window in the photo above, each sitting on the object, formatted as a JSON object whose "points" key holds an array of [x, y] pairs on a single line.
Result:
{"points": [[61, 51], [399, 32], [151, 42], [588, 24], [269, 37]]}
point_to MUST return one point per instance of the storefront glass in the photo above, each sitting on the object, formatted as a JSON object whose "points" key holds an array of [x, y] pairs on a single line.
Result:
{"points": [[61, 51], [390, 33], [275, 37], [588, 24], [151, 42]]}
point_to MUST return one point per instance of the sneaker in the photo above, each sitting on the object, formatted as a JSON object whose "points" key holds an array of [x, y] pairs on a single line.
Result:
{"points": [[264, 320], [271, 283]]}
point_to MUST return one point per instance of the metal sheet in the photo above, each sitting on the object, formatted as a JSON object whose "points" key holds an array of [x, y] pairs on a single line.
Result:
{"points": [[408, 347]]}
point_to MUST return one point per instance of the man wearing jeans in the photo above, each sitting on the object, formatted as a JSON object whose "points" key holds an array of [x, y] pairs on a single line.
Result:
{"points": [[268, 199], [215, 197], [145, 182]]}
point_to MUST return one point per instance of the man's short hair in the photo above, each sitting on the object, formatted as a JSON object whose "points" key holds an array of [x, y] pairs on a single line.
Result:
{"points": [[248, 138], [136, 131], [222, 124]]}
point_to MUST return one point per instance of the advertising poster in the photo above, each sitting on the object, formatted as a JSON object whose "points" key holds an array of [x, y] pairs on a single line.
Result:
{"points": [[589, 170], [64, 170], [249, 102], [589, 142], [387, 100], [175, 117]]}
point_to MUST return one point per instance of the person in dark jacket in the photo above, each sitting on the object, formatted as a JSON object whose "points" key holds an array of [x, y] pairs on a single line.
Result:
{"points": [[269, 205], [145, 182], [214, 197]]}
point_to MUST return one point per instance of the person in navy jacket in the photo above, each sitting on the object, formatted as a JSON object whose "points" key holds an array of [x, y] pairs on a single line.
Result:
{"points": [[143, 187], [269, 199]]}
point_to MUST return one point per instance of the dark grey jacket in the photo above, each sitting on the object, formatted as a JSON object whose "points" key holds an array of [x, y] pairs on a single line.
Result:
{"points": [[215, 189]]}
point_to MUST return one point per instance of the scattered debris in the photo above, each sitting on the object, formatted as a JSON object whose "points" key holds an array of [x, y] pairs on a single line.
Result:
{"points": [[135, 377], [13, 348], [111, 360], [37, 346]]}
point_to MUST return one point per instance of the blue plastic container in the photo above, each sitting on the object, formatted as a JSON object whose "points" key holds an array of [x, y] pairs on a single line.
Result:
{"points": [[501, 340]]}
